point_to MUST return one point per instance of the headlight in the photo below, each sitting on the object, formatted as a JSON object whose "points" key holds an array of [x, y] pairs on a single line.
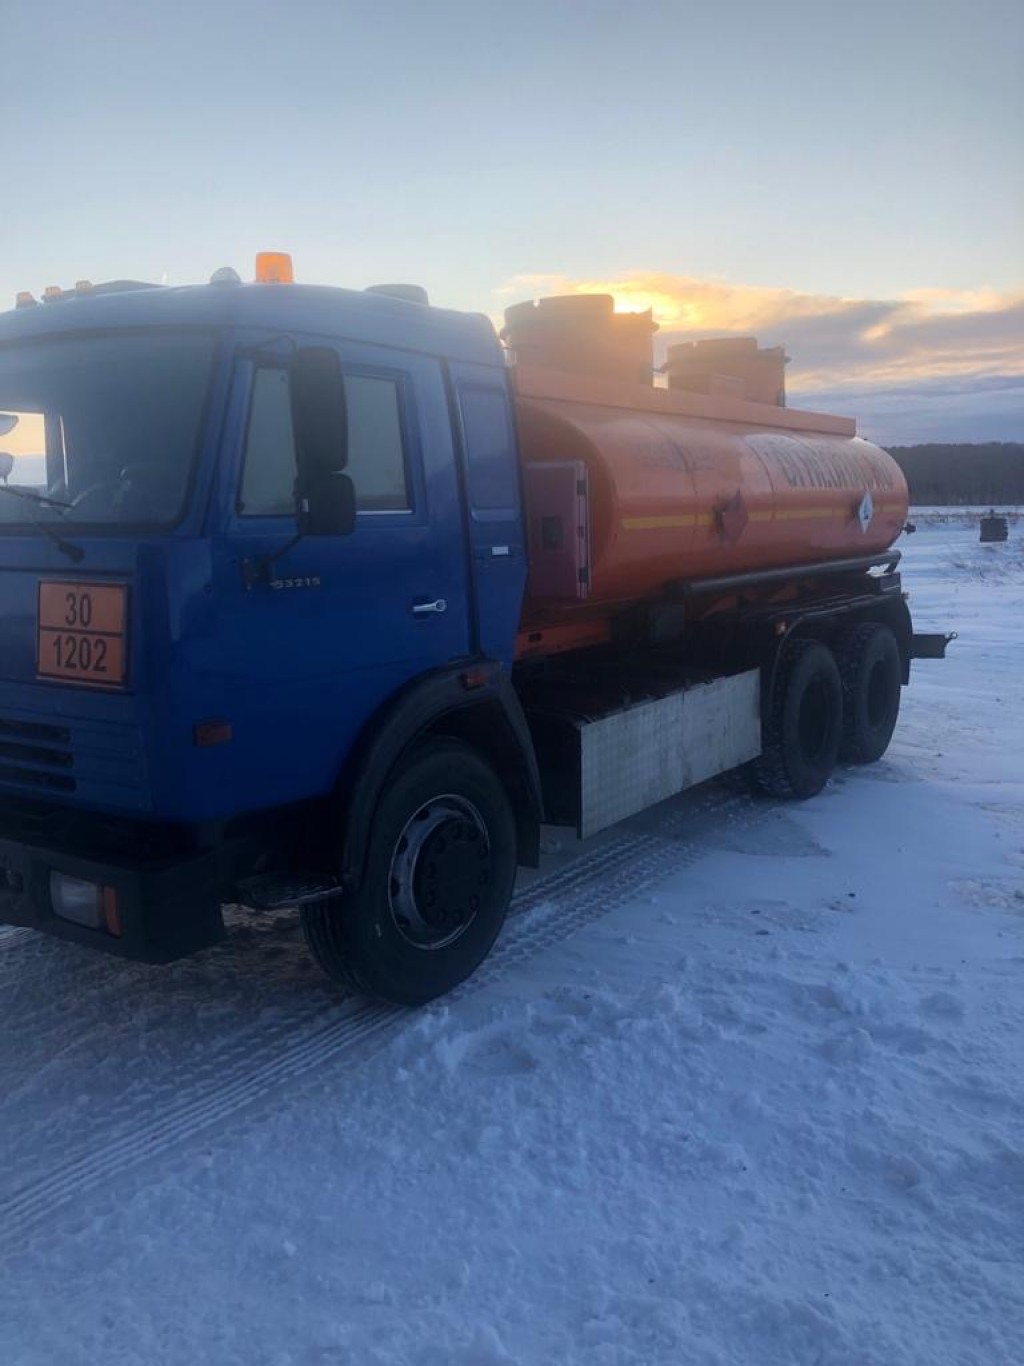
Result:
{"points": [[84, 903]]}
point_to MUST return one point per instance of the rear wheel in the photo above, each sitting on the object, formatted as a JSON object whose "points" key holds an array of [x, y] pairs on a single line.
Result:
{"points": [[872, 676], [802, 728], [439, 874]]}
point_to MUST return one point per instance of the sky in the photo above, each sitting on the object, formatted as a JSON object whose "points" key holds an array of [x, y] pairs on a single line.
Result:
{"points": [[845, 180]]}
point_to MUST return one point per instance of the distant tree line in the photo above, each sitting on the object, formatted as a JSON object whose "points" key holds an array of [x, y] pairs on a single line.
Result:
{"points": [[990, 472]]}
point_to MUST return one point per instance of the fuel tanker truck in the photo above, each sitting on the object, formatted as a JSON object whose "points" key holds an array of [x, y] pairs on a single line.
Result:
{"points": [[328, 599]]}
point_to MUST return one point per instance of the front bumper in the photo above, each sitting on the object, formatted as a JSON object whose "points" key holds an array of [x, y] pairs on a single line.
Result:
{"points": [[167, 908]]}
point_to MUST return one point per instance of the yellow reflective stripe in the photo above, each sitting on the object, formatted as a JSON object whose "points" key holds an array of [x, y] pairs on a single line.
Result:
{"points": [[659, 523], [765, 515], [802, 514]]}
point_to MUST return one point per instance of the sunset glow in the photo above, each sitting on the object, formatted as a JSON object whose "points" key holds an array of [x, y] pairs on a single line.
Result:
{"points": [[846, 183], [925, 337], [27, 438]]}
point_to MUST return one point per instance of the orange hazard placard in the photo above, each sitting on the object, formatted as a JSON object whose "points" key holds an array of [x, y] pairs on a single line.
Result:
{"points": [[82, 630]]}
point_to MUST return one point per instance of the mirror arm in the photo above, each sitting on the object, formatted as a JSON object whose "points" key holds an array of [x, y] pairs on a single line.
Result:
{"points": [[256, 572]]}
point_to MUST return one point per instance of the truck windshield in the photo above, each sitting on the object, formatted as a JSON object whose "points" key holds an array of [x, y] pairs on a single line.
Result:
{"points": [[101, 431]]}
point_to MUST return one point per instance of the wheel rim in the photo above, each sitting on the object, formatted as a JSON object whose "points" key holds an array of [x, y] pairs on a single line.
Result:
{"points": [[815, 720], [441, 869]]}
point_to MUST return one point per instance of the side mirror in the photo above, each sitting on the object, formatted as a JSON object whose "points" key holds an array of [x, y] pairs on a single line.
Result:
{"points": [[324, 496], [327, 505]]}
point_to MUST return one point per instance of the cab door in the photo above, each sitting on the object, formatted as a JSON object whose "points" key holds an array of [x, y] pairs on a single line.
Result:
{"points": [[315, 634], [484, 419]]}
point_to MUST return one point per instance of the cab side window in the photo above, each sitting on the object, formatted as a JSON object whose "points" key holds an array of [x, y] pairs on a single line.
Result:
{"points": [[376, 454], [268, 474], [493, 476], [376, 459]]}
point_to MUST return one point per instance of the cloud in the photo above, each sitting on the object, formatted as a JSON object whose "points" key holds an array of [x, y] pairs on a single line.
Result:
{"points": [[917, 361]]}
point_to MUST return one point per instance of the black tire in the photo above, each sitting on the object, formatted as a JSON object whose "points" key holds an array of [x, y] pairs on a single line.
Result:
{"points": [[872, 675], [803, 724], [440, 869]]}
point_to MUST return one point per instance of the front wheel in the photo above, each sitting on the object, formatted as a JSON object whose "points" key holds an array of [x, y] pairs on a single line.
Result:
{"points": [[439, 874]]}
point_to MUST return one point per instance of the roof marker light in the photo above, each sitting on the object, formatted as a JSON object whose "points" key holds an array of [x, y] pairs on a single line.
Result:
{"points": [[25, 299], [52, 293], [83, 286], [274, 268]]}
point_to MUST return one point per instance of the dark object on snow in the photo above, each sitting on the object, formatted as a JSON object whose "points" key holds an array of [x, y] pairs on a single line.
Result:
{"points": [[930, 645], [994, 528]]}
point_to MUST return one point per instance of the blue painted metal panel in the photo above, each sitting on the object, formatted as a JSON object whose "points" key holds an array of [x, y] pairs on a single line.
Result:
{"points": [[68, 753], [296, 671], [339, 313], [483, 416], [299, 670]]}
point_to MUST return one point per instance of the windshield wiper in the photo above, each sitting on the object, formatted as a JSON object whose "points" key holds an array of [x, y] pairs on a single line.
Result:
{"points": [[74, 552], [33, 496]]}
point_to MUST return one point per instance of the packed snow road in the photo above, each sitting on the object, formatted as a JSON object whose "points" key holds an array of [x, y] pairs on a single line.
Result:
{"points": [[742, 1084]]}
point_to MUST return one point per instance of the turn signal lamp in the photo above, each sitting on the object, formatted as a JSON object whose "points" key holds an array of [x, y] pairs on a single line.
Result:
{"points": [[207, 733], [274, 268]]}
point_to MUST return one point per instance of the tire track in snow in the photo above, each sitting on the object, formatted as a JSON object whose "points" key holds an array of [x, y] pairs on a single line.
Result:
{"points": [[555, 907]]}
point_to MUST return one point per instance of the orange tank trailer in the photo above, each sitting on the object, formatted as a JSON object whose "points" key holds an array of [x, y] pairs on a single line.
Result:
{"points": [[685, 486]]}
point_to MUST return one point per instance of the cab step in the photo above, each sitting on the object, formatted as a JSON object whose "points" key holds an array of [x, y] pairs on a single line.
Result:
{"points": [[274, 892]]}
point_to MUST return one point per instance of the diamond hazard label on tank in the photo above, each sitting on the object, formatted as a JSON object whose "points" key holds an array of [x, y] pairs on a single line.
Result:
{"points": [[733, 517]]}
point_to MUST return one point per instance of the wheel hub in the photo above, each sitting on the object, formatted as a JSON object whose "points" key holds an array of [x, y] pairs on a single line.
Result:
{"points": [[440, 872]]}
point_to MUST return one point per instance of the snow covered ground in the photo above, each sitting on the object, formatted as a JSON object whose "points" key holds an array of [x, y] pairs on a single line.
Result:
{"points": [[742, 1086]]}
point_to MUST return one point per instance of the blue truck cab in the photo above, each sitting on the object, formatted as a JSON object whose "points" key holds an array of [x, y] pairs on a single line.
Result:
{"points": [[261, 566]]}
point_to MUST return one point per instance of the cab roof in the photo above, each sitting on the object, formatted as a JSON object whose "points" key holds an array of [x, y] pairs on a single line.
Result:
{"points": [[340, 314]]}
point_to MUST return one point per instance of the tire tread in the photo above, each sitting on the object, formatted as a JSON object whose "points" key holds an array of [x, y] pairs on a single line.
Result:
{"points": [[771, 772], [850, 653], [335, 927]]}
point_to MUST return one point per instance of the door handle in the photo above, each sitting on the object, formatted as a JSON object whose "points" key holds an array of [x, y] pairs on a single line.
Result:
{"points": [[426, 609]]}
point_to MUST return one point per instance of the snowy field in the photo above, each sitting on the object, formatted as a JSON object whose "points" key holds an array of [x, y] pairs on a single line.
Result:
{"points": [[742, 1086]]}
